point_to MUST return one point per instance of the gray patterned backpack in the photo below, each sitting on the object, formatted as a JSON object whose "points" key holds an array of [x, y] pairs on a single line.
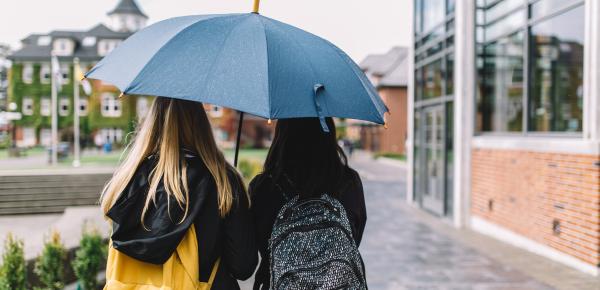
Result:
{"points": [[312, 247]]}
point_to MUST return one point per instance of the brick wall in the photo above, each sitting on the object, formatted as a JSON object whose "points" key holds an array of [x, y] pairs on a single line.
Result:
{"points": [[393, 139], [553, 199]]}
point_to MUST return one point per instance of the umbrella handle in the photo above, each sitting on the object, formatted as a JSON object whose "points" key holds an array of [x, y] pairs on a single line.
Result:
{"points": [[256, 6]]}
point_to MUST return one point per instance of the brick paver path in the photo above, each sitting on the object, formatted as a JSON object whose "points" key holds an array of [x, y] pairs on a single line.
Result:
{"points": [[402, 252]]}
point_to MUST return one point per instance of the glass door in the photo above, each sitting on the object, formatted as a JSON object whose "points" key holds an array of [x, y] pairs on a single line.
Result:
{"points": [[429, 158]]}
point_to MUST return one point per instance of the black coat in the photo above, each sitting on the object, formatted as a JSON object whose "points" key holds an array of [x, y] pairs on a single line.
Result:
{"points": [[267, 200], [231, 238]]}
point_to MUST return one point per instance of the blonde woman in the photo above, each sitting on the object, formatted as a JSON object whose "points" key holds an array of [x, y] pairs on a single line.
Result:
{"points": [[180, 213]]}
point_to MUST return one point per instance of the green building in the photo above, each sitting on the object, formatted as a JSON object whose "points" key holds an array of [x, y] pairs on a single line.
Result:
{"points": [[104, 116]]}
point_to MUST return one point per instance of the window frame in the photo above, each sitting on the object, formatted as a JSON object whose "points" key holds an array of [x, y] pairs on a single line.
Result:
{"points": [[61, 102], [45, 67], [26, 102], [45, 106], [526, 28], [113, 103], [30, 71]]}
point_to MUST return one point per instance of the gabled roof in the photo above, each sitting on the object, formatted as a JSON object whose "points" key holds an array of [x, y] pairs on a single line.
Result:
{"points": [[380, 64], [397, 77], [102, 31], [128, 7], [31, 51], [390, 67]]}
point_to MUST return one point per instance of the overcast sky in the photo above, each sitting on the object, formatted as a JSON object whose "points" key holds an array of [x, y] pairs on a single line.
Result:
{"points": [[359, 27]]}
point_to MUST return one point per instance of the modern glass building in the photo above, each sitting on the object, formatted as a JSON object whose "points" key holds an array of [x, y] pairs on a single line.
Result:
{"points": [[504, 118]]}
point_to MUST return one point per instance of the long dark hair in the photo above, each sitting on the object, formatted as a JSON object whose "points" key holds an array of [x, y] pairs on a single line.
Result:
{"points": [[305, 159]]}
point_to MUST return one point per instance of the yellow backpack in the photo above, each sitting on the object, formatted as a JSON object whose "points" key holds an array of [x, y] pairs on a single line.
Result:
{"points": [[180, 272]]}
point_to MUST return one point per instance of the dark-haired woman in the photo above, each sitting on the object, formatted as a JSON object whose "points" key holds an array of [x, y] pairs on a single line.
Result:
{"points": [[306, 161]]}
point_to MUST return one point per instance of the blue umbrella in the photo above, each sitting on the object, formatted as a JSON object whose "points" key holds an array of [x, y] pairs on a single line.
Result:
{"points": [[247, 62]]}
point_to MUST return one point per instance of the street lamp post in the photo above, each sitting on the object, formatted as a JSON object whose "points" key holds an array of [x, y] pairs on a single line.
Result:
{"points": [[76, 80]]}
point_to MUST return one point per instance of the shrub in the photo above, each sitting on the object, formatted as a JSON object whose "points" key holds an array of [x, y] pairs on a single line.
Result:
{"points": [[89, 258], [50, 264], [13, 272], [249, 168]]}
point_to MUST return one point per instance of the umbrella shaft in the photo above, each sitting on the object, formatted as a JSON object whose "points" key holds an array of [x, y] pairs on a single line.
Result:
{"points": [[237, 142]]}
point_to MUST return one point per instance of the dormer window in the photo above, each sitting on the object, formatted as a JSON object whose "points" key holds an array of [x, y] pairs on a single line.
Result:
{"points": [[105, 46], [63, 47], [89, 41], [44, 40]]}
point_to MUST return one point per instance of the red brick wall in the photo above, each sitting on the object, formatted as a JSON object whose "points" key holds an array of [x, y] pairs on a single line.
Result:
{"points": [[528, 192], [394, 137]]}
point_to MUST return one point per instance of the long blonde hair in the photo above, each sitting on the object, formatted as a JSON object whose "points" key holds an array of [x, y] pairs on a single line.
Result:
{"points": [[170, 125]]}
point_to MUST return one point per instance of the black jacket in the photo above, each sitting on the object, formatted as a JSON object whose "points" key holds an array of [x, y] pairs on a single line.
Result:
{"points": [[267, 200], [231, 238]]}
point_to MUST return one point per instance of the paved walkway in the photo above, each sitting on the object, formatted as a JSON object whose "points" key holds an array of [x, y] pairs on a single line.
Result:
{"points": [[405, 248], [33, 229]]}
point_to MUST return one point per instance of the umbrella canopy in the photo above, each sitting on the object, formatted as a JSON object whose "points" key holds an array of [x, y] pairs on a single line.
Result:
{"points": [[247, 62]]}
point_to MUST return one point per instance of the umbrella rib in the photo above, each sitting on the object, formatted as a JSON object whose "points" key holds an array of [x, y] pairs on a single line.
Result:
{"points": [[373, 98], [261, 19], [312, 69]]}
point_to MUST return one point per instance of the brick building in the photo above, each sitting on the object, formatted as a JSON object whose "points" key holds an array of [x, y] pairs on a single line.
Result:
{"points": [[389, 73], [504, 120]]}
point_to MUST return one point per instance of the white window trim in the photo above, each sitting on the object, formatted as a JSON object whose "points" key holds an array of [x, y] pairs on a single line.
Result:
{"points": [[112, 102], [45, 106], [24, 104], [65, 71], [216, 111], [29, 67], [83, 102], [43, 68], [62, 101]]}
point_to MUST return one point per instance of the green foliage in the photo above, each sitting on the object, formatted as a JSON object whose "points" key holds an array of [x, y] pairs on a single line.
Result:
{"points": [[89, 258], [13, 271], [341, 128], [249, 168], [50, 264], [391, 155], [94, 120]]}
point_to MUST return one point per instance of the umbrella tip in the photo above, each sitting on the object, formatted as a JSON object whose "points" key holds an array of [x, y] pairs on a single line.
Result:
{"points": [[269, 121], [121, 95], [256, 6]]}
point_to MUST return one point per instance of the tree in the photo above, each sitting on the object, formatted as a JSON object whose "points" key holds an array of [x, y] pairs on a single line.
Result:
{"points": [[13, 272], [50, 264]]}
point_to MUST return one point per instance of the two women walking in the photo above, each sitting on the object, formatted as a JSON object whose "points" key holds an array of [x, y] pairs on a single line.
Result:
{"points": [[183, 219]]}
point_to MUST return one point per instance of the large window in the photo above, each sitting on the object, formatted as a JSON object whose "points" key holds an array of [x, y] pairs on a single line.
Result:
{"points": [[111, 105], [556, 91], [433, 106], [501, 84], [530, 65]]}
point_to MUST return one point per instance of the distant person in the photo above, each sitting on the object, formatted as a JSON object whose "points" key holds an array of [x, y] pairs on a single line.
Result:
{"points": [[180, 213], [349, 147], [310, 211]]}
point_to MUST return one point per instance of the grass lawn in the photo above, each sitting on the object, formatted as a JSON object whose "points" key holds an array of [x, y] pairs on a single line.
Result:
{"points": [[36, 158], [28, 152], [390, 155], [253, 154]]}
